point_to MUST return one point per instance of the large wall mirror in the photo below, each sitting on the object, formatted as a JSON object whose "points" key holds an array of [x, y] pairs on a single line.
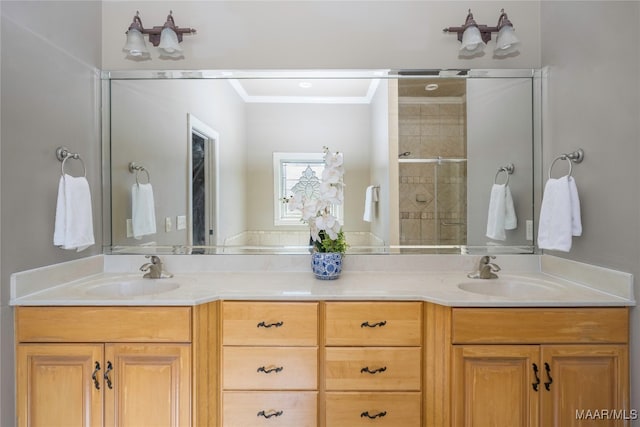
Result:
{"points": [[217, 151]]}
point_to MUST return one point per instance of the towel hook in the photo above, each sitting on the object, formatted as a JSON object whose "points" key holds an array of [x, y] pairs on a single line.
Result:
{"points": [[63, 154], [508, 170], [573, 157], [136, 168]]}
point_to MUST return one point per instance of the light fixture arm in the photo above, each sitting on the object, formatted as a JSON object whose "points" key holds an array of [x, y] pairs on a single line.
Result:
{"points": [[503, 20]]}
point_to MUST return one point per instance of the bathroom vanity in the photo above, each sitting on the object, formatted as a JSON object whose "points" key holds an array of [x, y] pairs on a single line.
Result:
{"points": [[384, 348]]}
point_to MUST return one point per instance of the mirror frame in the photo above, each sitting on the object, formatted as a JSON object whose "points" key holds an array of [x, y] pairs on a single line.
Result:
{"points": [[538, 77]]}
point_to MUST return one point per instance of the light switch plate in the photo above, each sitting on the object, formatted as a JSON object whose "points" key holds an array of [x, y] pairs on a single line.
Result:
{"points": [[181, 222], [168, 224], [529, 229], [129, 227]]}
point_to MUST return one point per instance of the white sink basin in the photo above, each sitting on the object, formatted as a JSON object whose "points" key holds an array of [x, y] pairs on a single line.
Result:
{"points": [[510, 287], [133, 288]]}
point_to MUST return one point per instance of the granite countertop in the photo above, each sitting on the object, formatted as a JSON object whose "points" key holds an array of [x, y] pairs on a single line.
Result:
{"points": [[523, 289]]}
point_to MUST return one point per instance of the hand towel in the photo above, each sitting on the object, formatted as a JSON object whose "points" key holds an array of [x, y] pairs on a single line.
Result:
{"points": [[502, 214], [74, 217], [143, 210], [370, 198], [559, 214], [143, 215]]}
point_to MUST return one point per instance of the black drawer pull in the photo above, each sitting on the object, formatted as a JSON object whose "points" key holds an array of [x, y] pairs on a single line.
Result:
{"points": [[269, 370], [535, 374], [378, 415], [269, 325], [270, 414], [107, 378], [374, 325], [375, 371], [94, 376], [547, 384]]}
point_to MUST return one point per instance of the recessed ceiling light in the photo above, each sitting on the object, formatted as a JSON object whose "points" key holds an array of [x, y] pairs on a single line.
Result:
{"points": [[431, 86], [305, 85]]}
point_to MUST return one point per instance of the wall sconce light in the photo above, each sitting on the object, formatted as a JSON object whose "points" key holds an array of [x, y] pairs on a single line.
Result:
{"points": [[167, 38], [474, 36]]}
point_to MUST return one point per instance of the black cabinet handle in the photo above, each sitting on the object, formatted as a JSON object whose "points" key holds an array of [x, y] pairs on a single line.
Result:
{"points": [[106, 374], [374, 416], [94, 376], [270, 370], [547, 384], [269, 325], [374, 325], [537, 381], [375, 371], [270, 414]]}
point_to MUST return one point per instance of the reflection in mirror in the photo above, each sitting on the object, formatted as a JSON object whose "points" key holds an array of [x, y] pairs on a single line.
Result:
{"points": [[429, 146]]}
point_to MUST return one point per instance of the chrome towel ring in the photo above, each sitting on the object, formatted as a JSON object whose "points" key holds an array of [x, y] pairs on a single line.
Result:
{"points": [[574, 157], [135, 168], [63, 154], [508, 170]]}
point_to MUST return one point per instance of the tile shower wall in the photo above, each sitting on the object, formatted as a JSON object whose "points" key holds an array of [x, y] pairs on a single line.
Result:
{"points": [[432, 194]]}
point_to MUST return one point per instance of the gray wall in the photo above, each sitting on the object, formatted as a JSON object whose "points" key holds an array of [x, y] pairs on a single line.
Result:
{"points": [[319, 34], [50, 97], [591, 49], [306, 128], [149, 126]]}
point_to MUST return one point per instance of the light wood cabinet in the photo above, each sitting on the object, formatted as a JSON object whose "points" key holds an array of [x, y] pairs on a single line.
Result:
{"points": [[269, 364], [372, 363], [133, 380], [579, 363]]}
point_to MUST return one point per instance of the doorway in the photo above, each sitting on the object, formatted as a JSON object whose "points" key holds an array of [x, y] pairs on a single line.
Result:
{"points": [[203, 184]]}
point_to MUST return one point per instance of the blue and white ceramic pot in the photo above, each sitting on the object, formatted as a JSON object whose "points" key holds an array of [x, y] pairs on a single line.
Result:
{"points": [[326, 265]]}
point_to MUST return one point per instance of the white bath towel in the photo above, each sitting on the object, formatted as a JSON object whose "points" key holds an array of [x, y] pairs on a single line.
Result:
{"points": [[502, 213], [143, 210], [74, 217], [559, 215], [370, 198]]}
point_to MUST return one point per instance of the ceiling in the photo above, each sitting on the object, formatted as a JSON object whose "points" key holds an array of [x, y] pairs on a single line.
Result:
{"points": [[339, 90]]}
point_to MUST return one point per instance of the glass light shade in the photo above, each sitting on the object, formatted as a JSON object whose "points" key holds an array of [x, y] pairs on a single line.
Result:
{"points": [[169, 45], [472, 43], [506, 42], [135, 45]]}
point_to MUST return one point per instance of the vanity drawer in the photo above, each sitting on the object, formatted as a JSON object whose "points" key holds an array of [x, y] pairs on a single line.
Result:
{"points": [[373, 324], [103, 324], [269, 368], [540, 325], [282, 409], [269, 323], [373, 409], [372, 368]]}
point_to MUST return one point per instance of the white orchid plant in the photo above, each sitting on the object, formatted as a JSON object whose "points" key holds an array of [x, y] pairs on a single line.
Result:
{"points": [[326, 231]]}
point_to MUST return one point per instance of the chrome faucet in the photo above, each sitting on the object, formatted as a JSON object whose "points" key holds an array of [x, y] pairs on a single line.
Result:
{"points": [[485, 269], [154, 268]]}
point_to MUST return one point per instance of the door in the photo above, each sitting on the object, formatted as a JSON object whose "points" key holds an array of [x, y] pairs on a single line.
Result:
{"points": [[59, 385], [150, 385], [495, 385], [585, 385], [203, 184]]}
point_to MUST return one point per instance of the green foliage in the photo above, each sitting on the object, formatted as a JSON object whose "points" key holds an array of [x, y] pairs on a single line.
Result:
{"points": [[326, 244]]}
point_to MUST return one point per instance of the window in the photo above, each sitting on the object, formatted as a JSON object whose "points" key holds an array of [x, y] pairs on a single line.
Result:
{"points": [[293, 173]]}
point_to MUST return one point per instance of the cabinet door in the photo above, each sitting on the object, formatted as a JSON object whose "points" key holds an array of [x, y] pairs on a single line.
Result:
{"points": [[150, 385], [580, 381], [493, 385], [55, 387]]}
